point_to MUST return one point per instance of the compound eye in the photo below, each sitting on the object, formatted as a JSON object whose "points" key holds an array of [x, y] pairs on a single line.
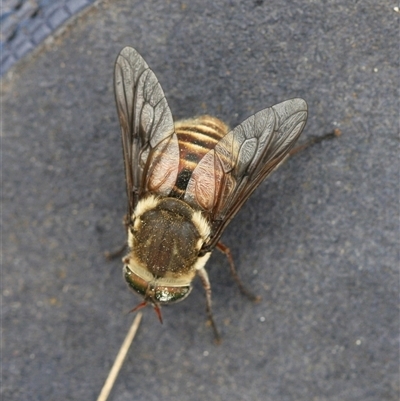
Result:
{"points": [[169, 295], [135, 282]]}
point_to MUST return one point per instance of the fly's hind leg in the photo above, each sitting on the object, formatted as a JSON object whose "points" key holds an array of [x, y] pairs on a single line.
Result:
{"points": [[312, 141], [227, 252]]}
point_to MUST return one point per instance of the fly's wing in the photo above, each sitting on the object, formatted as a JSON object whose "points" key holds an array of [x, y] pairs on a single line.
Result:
{"points": [[150, 145], [228, 174]]}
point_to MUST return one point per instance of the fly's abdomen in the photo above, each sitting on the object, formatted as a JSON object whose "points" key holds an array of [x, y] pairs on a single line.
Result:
{"points": [[195, 137]]}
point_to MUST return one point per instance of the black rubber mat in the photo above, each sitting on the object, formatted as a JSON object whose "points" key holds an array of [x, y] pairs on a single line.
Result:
{"points": [[26, 23]]}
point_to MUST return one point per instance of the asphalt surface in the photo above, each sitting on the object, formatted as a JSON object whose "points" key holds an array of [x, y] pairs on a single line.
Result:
{"points": [[318, 241]]}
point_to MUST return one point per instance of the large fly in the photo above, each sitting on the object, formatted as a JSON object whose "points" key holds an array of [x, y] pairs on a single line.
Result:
{"points": [[185, 181]]}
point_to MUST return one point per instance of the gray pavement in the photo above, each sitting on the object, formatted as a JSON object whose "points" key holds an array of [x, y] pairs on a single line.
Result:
{"points": [[318, 241]]}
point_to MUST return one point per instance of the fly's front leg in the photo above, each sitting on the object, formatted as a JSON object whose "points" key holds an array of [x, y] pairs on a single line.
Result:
{"points": [[116, 253], [207, 287], [227, 252], [119, 251]]}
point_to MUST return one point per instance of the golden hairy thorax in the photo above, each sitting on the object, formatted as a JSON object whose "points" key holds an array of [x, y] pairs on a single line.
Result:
{"points": [[166, 237]]}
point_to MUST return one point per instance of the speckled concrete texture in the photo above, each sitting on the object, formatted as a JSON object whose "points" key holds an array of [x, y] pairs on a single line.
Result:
{"points": [[318, 241]]}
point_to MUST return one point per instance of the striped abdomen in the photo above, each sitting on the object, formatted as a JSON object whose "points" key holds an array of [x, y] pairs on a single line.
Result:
{"points": [[196, 137]]}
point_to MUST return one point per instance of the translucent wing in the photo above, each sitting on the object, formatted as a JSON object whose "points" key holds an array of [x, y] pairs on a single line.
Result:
{"points": [[228, 174], [150, 145]]}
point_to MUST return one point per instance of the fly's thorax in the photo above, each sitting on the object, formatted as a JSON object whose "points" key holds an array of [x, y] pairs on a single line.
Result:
{"points": [[166, 236], [165, 239]]}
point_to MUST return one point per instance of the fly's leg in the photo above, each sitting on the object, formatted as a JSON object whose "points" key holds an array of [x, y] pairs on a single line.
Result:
{"points": [[207, 287], [119, 251], [334, 134], [116, 253], [227, 252]]}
